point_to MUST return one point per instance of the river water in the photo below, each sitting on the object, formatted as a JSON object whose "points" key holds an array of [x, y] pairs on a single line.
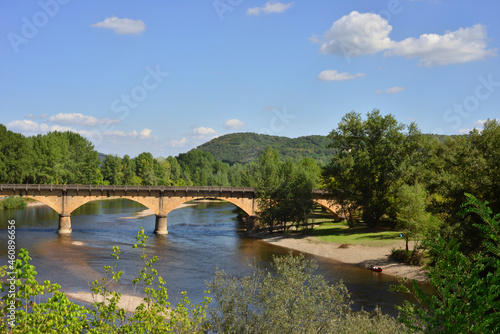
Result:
{"points": [[201, 238]]}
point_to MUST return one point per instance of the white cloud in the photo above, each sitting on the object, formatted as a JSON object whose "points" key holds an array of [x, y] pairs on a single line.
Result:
{"points": [[76, 119], [270, 7], [177, 143], [392, 90], [367, 33], [62, 128], [204, 131], [460, 46], [23, 126], [334, 75], [355, 34], [479, 123], [146, 133], [121, 26], [234, 124]]}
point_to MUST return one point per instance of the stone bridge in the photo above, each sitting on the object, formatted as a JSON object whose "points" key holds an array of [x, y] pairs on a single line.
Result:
{"points": [[64, 199]]}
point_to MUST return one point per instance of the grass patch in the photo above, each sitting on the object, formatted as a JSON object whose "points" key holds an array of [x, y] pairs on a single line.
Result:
{"points": [[340, 233]]}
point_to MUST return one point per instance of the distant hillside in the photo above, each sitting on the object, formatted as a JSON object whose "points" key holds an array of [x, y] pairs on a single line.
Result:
{"points": [[245, 147], [101, 156]]}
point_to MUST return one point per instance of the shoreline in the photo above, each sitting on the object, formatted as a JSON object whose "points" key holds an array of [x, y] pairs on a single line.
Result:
{"points": [[357, 255]]}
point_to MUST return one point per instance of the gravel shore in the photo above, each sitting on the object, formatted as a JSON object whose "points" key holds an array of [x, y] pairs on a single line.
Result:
{"points": [[358, 255]]}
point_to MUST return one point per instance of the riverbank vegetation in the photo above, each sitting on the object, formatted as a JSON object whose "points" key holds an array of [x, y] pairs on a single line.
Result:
{"points": [[290, 298], [12, 202]]}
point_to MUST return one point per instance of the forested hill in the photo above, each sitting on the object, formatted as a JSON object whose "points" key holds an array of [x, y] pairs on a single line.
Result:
{"points": [[245, 147]]}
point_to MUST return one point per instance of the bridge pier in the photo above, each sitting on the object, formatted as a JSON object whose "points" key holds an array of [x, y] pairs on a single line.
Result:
{"points": [[64, 223], [161, 224]]}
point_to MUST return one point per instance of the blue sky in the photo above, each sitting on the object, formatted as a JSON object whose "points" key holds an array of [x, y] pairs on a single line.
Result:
{"points": [[166, 76]]}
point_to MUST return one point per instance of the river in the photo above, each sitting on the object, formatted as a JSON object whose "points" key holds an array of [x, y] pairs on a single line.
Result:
{"points": [[201, 238]]}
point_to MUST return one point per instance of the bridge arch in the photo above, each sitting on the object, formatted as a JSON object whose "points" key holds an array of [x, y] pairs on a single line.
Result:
{"points": [[331, 206], [49, 201], [174, 203]]}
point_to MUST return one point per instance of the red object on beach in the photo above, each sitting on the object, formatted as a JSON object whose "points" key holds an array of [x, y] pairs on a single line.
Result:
{"points": [[376, 268]]}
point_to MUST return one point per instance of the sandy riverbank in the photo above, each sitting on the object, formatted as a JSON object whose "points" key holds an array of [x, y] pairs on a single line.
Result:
{"points": [[127, 302], [358, 255]]}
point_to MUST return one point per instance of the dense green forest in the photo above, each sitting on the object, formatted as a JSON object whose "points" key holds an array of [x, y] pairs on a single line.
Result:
{"points": [[245, 147]]}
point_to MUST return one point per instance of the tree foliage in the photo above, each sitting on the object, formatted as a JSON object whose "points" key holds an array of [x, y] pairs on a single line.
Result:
{"points": [[369, 161], [284, 189], [467, 298], [244, 148], [291, 299]]}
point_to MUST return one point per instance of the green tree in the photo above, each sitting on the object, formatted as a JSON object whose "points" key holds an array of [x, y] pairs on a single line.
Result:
{"points": [[64, 157], [82, 161], [175, 169], [164, 171], [467, 298], [487, 143], [290, 299], [144, 164], [368, 164], [111, 169], [15, 157], [267, 180], [410, 206], [128, 167]]}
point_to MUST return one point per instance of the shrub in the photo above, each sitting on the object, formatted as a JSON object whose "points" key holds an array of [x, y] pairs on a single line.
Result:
{"points": [[467, 288], [13, 202], [344, 245], [414, 258], [292, 300]]}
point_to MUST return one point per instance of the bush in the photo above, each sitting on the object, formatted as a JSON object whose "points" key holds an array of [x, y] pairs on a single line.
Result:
{"points": [[292, 300], [414, 258], [12, 202], [467, 288]]}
